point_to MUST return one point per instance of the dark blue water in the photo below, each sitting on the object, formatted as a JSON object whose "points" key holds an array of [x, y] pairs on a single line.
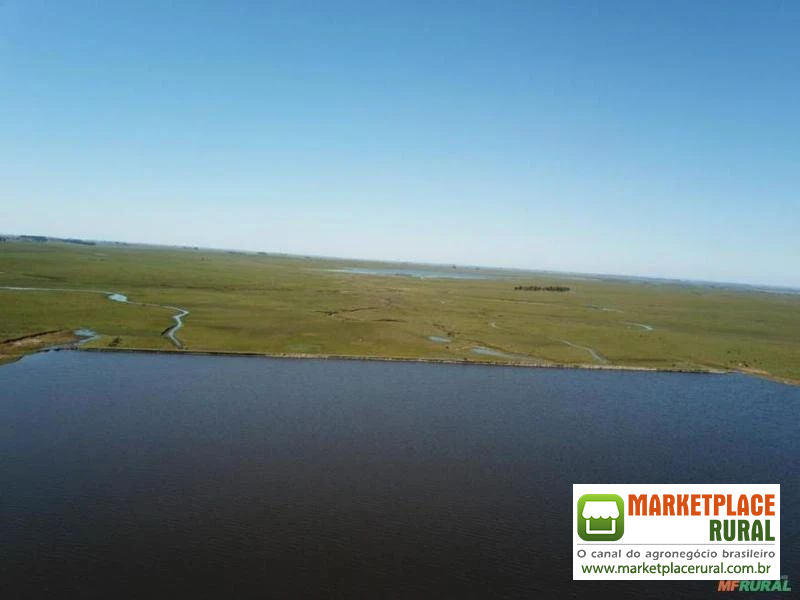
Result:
{"points": [[158, 476]]}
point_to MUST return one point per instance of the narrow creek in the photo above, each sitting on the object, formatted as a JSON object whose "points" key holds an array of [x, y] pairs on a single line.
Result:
{"points": [[597, 357], [641, 325], [169, 332]]}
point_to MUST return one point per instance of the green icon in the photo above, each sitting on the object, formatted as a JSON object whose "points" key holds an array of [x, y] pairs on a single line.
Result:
{"points": [[601, 517]]}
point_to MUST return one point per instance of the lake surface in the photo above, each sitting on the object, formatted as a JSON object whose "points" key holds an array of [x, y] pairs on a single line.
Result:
{"points": [[136, 475]]}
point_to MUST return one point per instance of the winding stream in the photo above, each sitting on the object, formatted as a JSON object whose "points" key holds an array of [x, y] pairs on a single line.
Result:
{"points": [[169, 333], [642, 325], [603, 308], [597, 357], [178, 318]]}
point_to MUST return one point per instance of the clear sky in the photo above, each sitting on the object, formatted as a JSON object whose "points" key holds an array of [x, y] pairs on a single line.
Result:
{"points": [[650, 138]]}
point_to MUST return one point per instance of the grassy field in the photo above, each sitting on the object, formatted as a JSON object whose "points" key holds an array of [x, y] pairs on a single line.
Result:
{"points": [[293, 305]]}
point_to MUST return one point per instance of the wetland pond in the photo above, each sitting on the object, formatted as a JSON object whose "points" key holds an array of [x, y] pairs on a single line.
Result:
{"points": [[420, 273], [168, 475]]}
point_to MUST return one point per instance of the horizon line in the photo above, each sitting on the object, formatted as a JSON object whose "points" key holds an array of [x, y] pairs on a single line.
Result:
{"points": [[769, 287]]}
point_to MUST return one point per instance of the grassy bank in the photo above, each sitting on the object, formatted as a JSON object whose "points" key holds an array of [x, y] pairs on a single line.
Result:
{"points": [[298, 306], [15, 348]]}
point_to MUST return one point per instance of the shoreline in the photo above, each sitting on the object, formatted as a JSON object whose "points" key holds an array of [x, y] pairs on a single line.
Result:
{"points": [[404, 359], [74, 344], [16, 348], [446, 361]]}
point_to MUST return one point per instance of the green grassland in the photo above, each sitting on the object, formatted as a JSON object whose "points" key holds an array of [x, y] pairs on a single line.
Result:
{"points": [[276, 304]]}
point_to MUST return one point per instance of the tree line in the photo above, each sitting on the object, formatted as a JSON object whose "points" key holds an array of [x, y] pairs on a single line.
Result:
{"points": [[540, 288]]}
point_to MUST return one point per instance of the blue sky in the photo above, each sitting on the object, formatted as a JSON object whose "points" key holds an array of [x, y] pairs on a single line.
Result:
{"points": [[648, 138]]}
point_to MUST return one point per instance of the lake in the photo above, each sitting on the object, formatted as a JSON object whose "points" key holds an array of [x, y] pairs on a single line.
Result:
{"points": [[419, 273], [146, 475]]}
